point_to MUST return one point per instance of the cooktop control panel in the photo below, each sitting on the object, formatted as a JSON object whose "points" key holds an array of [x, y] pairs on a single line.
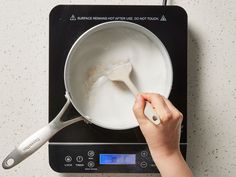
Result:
{"points": [[112, 158]]}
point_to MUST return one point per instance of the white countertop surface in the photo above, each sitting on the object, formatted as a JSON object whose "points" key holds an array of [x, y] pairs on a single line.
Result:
{"points": [[211, 83]]}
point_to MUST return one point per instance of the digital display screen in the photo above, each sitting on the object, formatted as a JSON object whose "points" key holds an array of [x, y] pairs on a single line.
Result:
{"points": [[117, 159]]}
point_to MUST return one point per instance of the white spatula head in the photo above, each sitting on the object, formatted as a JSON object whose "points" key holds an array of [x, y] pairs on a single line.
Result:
{"points": [[120, 72]]}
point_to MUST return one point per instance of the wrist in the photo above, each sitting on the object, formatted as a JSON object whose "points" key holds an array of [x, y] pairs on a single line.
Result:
{"points": [[163, 153], [166, 157], [171, 164]]}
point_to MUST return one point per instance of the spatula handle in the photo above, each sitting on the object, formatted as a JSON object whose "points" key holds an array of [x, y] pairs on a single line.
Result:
{"points": [[131, 86], [148, 111], [151, 114]]}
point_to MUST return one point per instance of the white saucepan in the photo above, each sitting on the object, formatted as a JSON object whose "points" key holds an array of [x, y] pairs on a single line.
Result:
{"points": [[94, 96]]}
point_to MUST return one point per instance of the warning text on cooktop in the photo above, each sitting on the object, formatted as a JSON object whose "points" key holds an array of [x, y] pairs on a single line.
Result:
{"points": [[120, 18]]}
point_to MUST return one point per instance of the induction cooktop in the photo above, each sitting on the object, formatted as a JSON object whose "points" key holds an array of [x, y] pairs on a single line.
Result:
{"points": [[87, 148]]}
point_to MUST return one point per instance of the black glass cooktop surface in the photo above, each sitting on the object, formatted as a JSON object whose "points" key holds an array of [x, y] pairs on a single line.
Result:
{"points": [[68, 22]]}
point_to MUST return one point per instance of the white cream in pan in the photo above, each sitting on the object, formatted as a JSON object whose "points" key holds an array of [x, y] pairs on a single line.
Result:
{"points": [[102, 99]]}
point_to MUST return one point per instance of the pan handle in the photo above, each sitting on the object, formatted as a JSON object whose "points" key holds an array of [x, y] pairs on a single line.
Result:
{"points": [[39, 138]]}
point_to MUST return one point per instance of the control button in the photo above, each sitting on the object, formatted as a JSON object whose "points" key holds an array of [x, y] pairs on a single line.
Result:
{"points": [[68, 159], [79, 158], [91, 164], [144, 153], [91, 153], [143, 164]]}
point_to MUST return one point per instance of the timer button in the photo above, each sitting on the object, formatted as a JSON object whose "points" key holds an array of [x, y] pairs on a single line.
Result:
{"points": [[144, 153], [91, 164], [91, 153], [143, 164], [79, 158]]}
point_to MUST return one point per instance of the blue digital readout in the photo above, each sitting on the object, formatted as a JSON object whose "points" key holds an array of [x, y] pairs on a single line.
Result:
{"points": [[117, 159]]}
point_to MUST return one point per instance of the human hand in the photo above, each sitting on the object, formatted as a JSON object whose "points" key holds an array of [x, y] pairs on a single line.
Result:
{"points": [[162, 139]]}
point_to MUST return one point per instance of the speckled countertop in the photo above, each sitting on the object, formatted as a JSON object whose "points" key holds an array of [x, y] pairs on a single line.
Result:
{"points": [[211, 83]]}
